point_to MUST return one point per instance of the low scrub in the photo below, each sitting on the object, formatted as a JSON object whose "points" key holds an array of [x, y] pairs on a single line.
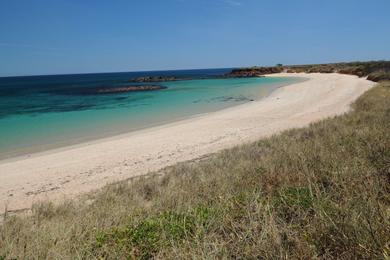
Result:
{"points": [[375, 70], [379, 76], [318, 192]]}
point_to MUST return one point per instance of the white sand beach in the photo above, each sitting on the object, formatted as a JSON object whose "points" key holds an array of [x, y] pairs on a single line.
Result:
{"points": [[70, 171]]}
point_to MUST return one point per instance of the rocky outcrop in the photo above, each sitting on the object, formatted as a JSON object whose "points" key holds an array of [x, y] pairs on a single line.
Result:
{"points": [[152, 79], [253, 72]]}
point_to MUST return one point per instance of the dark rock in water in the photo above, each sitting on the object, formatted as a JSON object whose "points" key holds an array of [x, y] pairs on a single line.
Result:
{"points": [[230, 99], [127, 89], [224, 99], [153, 79]]}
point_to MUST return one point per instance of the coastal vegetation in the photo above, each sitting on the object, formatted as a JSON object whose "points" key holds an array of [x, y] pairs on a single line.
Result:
{"points": [[374, 70], [254, 71], [320, 191]]}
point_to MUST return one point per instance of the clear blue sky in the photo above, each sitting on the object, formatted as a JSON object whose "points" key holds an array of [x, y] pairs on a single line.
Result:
{"points": [[77, 36]]}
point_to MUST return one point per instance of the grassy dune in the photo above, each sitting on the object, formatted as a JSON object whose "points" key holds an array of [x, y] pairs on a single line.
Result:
{"points": [[321, 191]]}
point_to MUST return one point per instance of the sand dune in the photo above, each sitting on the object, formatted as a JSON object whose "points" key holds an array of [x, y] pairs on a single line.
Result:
{"points": [[73, 170]]}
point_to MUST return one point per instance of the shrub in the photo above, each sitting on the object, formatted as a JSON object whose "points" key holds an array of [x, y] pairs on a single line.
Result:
{"points": [[379, 76]]}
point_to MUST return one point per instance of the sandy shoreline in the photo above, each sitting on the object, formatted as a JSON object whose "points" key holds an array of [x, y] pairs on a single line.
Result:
{"points": [[49, 147], [81, 168]]}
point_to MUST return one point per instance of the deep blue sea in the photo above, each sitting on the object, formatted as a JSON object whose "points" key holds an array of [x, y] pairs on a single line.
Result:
{"points": [[43, 112]]}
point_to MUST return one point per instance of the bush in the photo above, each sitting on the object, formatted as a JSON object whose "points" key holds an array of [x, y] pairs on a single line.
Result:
{"points": [[379, 76]]}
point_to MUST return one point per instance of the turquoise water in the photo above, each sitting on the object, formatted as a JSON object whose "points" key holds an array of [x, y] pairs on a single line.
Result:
{"points": [[49, 120]]}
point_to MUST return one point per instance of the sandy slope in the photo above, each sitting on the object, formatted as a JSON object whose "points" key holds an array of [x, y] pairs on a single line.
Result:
{"points": [[76, 169]]}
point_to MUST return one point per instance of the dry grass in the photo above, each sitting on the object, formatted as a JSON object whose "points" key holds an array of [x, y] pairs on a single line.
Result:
{"points": [[320, 191]]}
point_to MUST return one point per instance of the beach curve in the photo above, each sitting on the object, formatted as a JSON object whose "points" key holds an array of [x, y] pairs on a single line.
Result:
{"points": [[68, 172]]}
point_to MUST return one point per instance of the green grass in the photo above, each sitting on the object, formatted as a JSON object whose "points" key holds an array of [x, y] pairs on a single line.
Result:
{"points": [[147, 236], [321, 191]]}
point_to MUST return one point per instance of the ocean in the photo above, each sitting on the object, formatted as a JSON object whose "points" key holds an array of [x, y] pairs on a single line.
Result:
{"points": [[43, 112]]}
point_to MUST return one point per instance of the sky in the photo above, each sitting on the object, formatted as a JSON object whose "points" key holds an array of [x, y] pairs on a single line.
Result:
{"points": [[85, 36]]}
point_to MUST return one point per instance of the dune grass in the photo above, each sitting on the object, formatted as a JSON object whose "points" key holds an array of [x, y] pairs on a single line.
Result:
{"points": [[321, 191]]}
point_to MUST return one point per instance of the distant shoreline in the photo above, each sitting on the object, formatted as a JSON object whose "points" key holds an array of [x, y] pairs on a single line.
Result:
{"points": [[78, 169]]}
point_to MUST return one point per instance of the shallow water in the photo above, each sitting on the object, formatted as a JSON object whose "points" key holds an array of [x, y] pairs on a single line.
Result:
{"points": [[38, 113]]}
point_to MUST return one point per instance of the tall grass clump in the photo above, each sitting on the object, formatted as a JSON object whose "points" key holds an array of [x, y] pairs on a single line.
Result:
{"points": [[316, 192]]}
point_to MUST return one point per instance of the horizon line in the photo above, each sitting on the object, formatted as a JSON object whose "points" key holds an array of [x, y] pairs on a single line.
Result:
{"points": [[158, 70]]}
